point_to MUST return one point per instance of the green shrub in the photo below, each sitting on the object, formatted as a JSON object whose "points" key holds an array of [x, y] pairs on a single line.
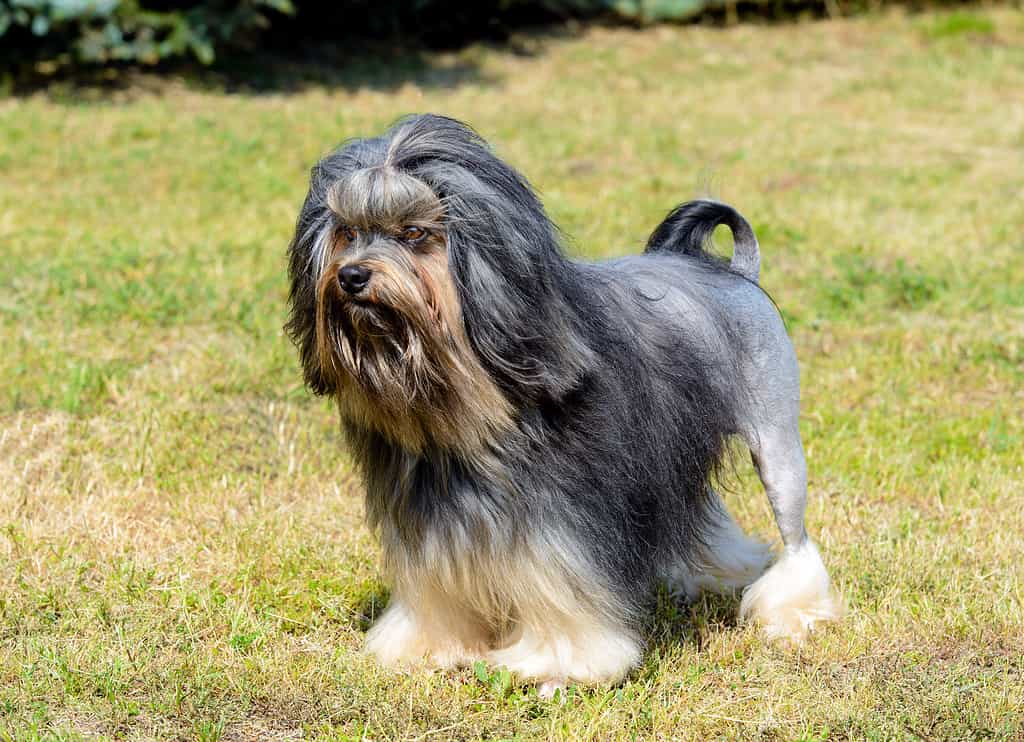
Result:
{"points": [[645, 11], [74, 32], [453, 22], [61, 33]]}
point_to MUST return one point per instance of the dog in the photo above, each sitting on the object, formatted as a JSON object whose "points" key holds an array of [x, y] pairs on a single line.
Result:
{"points": [[539, 437]]}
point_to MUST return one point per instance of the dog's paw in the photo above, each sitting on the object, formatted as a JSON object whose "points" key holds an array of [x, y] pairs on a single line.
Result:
{"points": [[595, 655], [398, 639], [550, 687], [394, 640], [453, 656], [793, 596]]}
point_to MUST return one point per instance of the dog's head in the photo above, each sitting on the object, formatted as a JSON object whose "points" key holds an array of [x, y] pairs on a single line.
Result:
{"points": [[428, 288]]}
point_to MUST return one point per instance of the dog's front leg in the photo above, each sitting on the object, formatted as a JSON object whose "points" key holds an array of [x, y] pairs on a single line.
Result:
{"points": [[426, 631], [565, 649]]}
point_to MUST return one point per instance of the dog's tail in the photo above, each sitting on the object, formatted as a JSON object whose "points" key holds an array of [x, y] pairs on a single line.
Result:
{"points": [[688, 227]]}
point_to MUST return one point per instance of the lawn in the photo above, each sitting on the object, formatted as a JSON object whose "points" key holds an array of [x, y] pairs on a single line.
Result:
{"points": [[181, 537]]}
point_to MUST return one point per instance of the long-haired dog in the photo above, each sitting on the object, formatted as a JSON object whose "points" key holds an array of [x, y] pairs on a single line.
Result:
{"points": [[538, 436]]}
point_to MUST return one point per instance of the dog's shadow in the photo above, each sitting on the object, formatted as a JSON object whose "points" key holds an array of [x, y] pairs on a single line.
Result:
{"points": [[677, 621], [367, 606]]}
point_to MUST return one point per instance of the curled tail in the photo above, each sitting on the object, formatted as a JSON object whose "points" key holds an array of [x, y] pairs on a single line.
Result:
{"points": [[688, 227]]}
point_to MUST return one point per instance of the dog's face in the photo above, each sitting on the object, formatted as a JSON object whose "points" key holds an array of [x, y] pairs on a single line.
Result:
{"points": [[390, 337], [386, 308], [423, 298]]}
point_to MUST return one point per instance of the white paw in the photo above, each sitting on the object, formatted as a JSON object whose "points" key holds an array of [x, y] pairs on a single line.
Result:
{"points": [[395, 639], [793, 596], [453, 656], [549, 688], [398, 638], [593, 654]]}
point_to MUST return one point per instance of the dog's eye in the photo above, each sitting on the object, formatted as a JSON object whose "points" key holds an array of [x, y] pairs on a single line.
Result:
{"points": [[347, 233], [413, 234]]}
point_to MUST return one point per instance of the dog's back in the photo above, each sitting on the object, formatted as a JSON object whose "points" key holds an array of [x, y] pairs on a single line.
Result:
{"points": [[702, 302]]}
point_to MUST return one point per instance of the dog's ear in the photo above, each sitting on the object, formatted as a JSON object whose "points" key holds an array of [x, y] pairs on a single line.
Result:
{"points": [[303, 266], [508, 279], [512, 279], [306, 253]]}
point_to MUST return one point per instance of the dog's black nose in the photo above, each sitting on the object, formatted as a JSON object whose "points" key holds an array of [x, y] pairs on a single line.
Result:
{"points": [[354, 278]]}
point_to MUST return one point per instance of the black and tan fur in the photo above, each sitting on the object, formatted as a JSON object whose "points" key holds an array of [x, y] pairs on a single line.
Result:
{"points": [[538, 436]]}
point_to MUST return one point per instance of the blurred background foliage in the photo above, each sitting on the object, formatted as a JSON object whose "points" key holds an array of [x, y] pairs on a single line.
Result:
{"points": [[45, 36], [91, 32]]}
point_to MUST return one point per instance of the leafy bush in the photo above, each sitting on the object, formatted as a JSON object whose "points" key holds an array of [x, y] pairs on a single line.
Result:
{"points": [[93, 32], [645, 11], [62, 33], [66, 32], [453, 22]]}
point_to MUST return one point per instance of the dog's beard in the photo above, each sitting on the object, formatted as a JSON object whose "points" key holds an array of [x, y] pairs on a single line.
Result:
{"points": [[377, 349], [401, 363]]}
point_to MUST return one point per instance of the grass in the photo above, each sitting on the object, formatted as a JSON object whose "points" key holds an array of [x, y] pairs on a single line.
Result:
{"points": [[181, 540]]}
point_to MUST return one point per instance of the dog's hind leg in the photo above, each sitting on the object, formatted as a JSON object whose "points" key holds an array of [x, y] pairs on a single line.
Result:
{"points": [[726, 560], [795, 593]]}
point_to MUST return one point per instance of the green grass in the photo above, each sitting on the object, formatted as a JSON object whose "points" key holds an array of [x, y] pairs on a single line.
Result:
{"points": [[182, 552]]}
